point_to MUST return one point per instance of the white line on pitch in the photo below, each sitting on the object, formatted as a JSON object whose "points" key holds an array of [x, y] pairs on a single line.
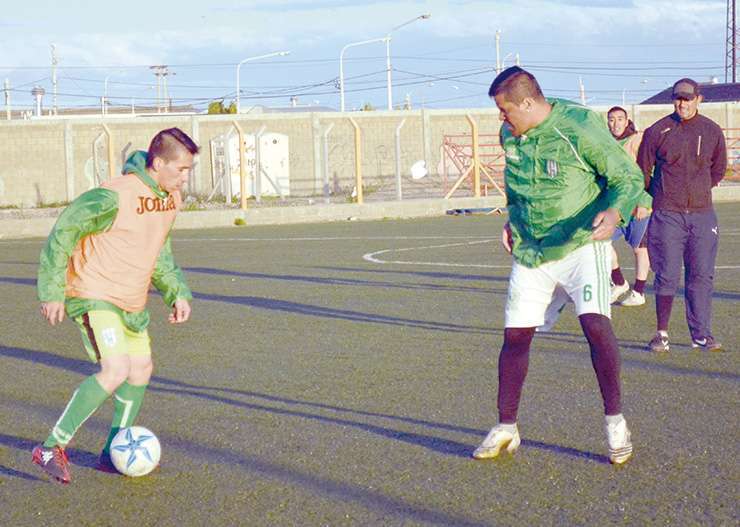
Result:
{"points": [[371, 257]]}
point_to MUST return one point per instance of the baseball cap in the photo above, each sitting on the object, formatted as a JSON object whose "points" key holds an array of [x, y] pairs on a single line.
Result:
{"points": [[686, 89]]}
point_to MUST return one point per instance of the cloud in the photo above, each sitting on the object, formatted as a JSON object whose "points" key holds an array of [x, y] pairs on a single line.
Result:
{"points": [[286, 5], [231, 29], [548, 21]]}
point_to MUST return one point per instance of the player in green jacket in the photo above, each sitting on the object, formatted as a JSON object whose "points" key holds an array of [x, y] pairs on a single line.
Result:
{"points": [[99, 261], [568, 185]]}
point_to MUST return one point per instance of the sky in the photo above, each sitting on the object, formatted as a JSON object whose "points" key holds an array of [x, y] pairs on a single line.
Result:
{"points": [[622, 50]]}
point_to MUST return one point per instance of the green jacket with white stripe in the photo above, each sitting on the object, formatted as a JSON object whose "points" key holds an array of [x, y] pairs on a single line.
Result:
{"points": [[558, 176]]}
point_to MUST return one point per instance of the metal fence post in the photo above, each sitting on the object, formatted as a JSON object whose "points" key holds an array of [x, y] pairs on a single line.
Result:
{"points": [[399, 192], [111, 162], [258, 164], [242, 171], [327, 191], [358, 161], [476, 156]]}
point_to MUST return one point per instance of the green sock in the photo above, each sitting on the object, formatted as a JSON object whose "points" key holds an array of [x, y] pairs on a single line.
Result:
{"points": [[126, 405], [87, 398]]}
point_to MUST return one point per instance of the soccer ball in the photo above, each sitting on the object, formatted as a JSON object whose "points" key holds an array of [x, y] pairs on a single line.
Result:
{"points": [[135, 451]]}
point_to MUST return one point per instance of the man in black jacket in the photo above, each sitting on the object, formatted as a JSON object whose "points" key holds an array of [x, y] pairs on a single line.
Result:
{"points": [[683, 156]]}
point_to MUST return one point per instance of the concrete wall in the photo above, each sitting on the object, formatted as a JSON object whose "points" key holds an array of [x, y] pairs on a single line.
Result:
{"points": [[55, 159]]}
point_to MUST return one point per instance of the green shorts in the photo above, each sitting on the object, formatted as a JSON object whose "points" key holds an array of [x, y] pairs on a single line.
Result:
{"points": [[104, 334]]}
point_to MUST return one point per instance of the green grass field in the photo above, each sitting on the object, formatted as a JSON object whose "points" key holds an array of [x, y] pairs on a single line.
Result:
{"points": [[317, 387]]}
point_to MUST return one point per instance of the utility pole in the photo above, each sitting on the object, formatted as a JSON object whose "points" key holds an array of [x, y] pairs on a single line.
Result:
{"points": [[7, 99], [54, 63], [38, 94], [498, 51], [731, 43], [167, 101], [582, 90], [159, 72]]}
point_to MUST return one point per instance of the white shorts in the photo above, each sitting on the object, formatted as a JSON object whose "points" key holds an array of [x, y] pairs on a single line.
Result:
{"points": [[583, 276]]}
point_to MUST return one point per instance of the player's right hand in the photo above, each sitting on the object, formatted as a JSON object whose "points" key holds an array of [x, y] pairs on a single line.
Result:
{"points": [[640, 213], [53, 312], [506, 239], [180, 311]]}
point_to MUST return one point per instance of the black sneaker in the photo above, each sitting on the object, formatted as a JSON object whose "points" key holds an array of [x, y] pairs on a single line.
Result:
{"points": [[53, 461], [707, 344], [105, 464], [659, 344]]}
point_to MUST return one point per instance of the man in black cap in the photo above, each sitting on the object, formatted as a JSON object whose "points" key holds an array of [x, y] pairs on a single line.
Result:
{"points": [[682, 157]]}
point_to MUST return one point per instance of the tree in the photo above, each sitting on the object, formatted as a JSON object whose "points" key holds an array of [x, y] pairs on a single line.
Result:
{"points": [[217, 107]]}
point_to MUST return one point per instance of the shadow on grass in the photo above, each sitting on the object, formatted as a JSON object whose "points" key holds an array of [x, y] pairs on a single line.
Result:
{"points": [[338, 490], [339, 281], [648, 365], [342, 491], [567, 451], [442, 446], [272, 304], [18, 281], [437, 444], [7, 471], [79, 457], [434, 443]]}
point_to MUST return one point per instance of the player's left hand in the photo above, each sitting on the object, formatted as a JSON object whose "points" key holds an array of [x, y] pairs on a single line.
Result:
{"points": [[180, 311], [604, 224]]}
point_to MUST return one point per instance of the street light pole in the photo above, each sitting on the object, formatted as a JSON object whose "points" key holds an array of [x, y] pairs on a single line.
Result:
{"points": [[249, 59], [105, 95], [388, 54], [341, 65]]}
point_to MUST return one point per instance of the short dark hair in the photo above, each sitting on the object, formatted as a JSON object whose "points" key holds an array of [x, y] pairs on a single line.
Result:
{"points": [[617, 109], [516, 84], [166, 143]]}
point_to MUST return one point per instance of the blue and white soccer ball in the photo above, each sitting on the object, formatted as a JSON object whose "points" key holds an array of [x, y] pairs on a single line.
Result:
{"points": [[135, 451]]}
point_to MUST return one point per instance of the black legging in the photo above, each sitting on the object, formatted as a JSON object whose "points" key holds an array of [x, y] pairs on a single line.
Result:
{"points": [[513, 363]]}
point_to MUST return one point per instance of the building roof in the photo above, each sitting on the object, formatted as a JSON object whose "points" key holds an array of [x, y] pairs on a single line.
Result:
{"points": [[720, 92], [297, 109], [92, 111]]}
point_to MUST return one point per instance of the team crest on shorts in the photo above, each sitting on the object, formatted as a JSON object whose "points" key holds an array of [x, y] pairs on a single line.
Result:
{"points": [[552, 168], [109, 337]]}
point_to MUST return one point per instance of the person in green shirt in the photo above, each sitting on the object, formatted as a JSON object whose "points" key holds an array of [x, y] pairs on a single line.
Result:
{"points": [[568, 186]]}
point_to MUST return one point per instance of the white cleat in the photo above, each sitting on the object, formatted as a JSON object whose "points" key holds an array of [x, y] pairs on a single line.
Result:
{"points": [[618, 291], [496, 440], [633, 299], [620, 446]]}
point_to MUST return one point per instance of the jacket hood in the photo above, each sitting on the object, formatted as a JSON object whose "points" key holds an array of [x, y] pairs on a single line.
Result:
{"points": [[136, 164], [629, 130]]}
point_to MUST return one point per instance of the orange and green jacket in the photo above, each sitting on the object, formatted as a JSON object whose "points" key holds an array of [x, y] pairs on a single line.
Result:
{"points": [[110, 244]]}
